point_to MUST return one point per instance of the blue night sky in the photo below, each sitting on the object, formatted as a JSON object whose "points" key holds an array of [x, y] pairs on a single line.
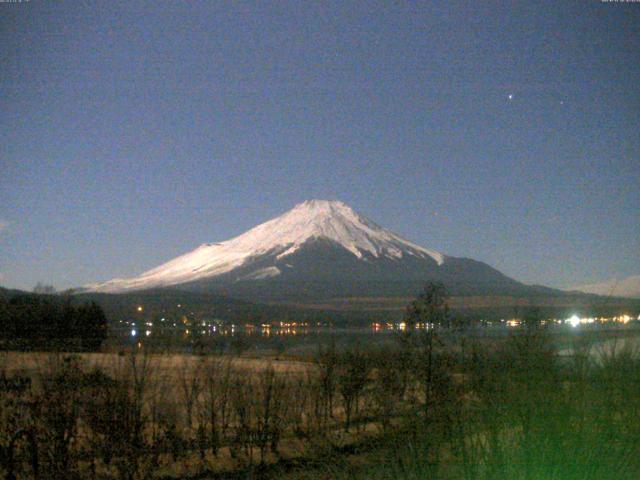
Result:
{"points": [[133, 132]]}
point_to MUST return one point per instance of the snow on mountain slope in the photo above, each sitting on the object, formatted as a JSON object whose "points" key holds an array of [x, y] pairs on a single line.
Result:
{"points": [[628, 287], [282, 236]]}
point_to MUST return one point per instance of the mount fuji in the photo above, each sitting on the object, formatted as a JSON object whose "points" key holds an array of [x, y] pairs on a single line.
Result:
{"points": [[319, 249]]}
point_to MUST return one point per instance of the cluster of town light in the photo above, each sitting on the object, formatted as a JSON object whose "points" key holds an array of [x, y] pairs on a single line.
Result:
{"points": [[280, 328], [184, 320], [289, 328], [574, 320]]}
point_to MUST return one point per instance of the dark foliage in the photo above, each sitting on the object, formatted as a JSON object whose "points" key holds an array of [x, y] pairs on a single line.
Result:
{"points": [[47, 321]]}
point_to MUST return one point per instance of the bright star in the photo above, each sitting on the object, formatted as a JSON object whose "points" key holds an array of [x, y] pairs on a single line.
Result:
{"points": [[510, 96]]}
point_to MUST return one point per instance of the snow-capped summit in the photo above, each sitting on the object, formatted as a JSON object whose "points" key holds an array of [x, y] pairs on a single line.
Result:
{"points": [[268, 245], [332, 220]]}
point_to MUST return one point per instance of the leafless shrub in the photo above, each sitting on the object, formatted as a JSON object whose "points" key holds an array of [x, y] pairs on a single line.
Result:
{"points": [[326, 362], [300, 394], [270, 410], [241, 441], [215, 405], [388, 386], [117, 415], [353, 373], [190, 386]]}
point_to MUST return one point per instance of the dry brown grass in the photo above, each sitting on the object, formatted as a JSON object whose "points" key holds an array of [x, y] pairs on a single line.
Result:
{"points": [[29, 362]]}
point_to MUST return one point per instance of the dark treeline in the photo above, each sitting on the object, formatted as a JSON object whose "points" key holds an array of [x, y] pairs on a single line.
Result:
{"points": [[39, 321]]}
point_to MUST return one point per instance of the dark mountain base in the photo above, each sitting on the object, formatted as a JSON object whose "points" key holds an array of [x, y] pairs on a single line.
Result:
{"points": [[323, 270]]}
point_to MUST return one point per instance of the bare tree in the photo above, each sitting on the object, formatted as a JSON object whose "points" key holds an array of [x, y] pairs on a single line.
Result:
{"points": [[389, 386], [270, 410], [216, 402], [44, 289], [243, 418], [352, 377], [300, 393], [117, 415], [190, 385], [326, 362]]}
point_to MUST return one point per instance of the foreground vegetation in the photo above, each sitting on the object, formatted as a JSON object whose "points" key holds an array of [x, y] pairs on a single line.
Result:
{"points": [[431, 405]]}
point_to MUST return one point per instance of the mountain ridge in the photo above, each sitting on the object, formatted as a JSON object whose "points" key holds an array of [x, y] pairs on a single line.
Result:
{"points": [[320, 249], [628, 287]]}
